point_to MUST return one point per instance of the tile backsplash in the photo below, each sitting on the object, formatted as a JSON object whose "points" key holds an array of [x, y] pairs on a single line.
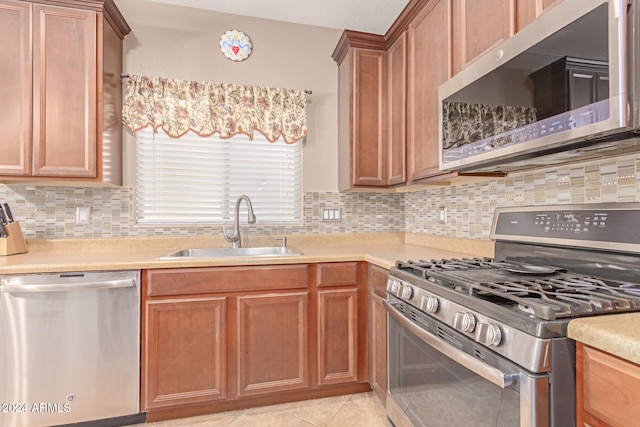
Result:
{"points": [[49, 212]]}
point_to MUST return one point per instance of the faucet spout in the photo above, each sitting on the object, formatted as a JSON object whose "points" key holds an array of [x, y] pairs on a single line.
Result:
{"points": [[234, 237]]}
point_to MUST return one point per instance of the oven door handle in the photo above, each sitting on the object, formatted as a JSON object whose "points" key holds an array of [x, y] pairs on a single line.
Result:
{"points": [[487, 372]]}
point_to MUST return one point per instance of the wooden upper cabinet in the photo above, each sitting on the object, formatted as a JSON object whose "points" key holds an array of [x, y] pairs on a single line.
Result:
{"points": [[477, 26], [15, 87], [362, 121], [428, 68], [63, 86], [397, 111], [528, 11], [64, 91], [369, 126]]}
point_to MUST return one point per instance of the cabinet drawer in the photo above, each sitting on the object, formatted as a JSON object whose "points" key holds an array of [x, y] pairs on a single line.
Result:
{"points": [[183, 281], [338, 274], [378, 279]]}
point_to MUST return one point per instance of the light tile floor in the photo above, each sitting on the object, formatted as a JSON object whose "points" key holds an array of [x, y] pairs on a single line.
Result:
{"points": [[355, 410]]}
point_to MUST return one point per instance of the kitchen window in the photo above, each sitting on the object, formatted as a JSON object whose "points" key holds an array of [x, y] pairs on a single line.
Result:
{"points": [[195, 179]]}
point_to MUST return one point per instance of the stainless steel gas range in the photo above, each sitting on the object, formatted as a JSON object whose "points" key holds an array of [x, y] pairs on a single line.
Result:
{"points": [[482, 341]]}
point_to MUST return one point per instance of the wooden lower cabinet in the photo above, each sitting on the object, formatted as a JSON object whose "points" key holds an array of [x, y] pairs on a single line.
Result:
{"points": [[337, 336], [378, 346], [223, 338], [272, 350], [185, 351], [607, 389], [377, 330]]}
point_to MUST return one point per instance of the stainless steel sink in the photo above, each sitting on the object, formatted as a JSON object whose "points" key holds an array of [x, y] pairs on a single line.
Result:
{"points": [[262, 251]]}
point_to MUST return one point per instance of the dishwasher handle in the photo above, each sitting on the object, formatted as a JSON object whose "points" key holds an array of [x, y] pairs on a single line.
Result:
{"points": [[67, 287]]}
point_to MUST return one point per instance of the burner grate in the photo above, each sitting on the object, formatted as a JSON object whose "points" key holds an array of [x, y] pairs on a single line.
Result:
{"points": [[542, 292], [561, 297]]}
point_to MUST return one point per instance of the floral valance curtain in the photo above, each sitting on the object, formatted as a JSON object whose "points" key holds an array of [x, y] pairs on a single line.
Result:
{"points": [[180, 106]]}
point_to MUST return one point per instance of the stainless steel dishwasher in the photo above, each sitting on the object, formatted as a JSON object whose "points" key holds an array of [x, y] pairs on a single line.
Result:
{"points": [[70, 348]]}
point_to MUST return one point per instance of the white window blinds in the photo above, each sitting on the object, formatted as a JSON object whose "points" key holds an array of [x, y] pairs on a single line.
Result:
{"points": [[198, 180]]}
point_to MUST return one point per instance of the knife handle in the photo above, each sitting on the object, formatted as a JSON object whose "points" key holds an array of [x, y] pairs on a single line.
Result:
{"points": [[7, 211]]}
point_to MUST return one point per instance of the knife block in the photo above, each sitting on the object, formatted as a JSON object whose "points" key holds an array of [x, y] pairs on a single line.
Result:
{"points": [[14, 243]]}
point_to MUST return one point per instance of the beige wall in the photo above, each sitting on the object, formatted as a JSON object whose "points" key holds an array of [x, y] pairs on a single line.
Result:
{"points": [[183, 43]]}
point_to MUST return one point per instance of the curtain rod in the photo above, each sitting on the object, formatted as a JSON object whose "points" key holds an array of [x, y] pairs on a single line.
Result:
{"points": [[307, 91]]}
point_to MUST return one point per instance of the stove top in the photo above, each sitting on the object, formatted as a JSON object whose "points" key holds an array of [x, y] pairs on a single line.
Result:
{"points": [[538, 291], [551, 264]]}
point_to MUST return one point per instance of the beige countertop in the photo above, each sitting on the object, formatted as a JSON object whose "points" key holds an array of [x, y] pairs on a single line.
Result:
{"points": [[617, 334], [47, 256]]}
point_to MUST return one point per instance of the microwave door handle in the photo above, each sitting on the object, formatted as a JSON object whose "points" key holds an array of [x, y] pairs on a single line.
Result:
{"points": [[66, 287], [487, 372]]}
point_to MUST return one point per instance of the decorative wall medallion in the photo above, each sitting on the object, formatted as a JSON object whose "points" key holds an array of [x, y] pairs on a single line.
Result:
{"points": [[235, 45]]}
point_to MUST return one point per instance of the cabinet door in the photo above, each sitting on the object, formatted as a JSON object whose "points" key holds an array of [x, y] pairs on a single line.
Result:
{"points": [[15, 87], [378, 345], [337, 336], [478, 25], [528, 11], [64, 92], [185, 352], [377, 328], [368, 145], [586, 87], [428, 68], [397, 111], [607, 389], [272, 343]]}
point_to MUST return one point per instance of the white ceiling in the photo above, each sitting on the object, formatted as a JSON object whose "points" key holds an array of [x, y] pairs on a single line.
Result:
{"points": [[371, 16]]}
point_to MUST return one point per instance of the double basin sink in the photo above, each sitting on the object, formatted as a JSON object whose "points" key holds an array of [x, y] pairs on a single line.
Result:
{"points": [[260, 251]]}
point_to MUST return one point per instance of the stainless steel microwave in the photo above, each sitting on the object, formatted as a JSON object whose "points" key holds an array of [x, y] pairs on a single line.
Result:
{"points": [[564, 88]]}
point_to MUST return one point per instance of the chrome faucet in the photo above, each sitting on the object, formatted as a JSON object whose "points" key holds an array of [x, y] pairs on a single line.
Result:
{"points": [[235, 236]]}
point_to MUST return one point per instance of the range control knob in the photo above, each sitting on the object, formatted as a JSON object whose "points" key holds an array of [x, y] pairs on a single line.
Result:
{"points": [[465, 322], [406, 292], [488, 334], [429, 304], [393, 286]]}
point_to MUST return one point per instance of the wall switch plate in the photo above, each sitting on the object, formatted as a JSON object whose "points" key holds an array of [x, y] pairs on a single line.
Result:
{"points": [[443, 215], [83, 215], [331, 214]]}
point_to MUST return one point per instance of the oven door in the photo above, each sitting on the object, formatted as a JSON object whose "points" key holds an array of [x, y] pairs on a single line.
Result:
{"points": [[439, 377]]}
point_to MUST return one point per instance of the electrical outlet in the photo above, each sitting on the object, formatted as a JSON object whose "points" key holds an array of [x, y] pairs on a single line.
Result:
{"points": [[331, 214], [443, 215], [83, 215]]}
